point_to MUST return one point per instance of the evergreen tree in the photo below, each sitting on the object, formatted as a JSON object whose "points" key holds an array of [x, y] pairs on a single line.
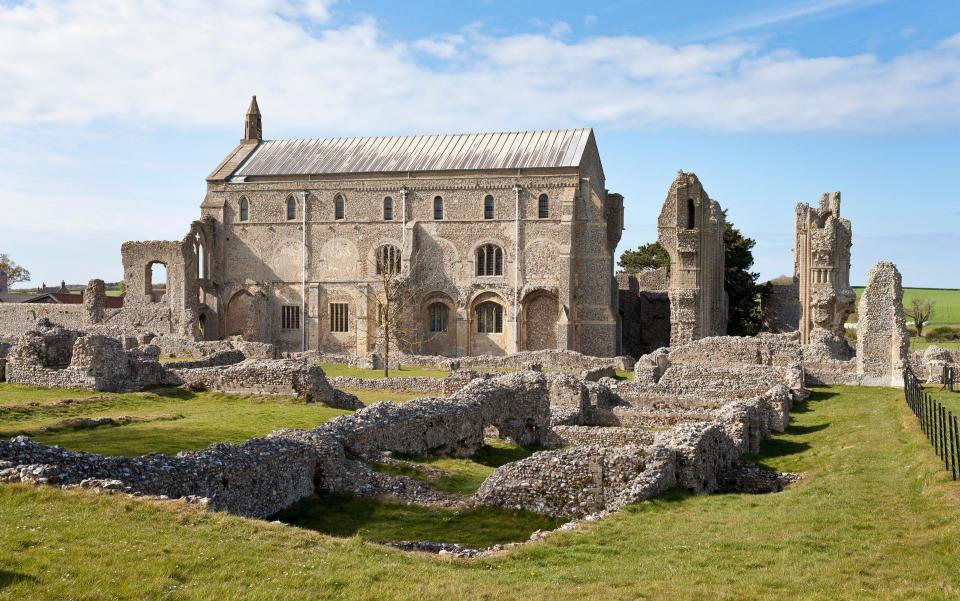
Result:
{"points": [[744, 295], [649, 255]]}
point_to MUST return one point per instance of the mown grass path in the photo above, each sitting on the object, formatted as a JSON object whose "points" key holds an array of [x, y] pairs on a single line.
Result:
{"points": [[876, 518]]}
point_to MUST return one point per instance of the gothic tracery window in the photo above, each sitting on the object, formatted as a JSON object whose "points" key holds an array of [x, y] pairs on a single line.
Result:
{"points": [[388, 260]]}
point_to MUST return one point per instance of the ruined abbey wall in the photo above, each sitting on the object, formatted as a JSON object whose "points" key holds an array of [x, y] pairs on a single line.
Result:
{"points": [[690, 228]]}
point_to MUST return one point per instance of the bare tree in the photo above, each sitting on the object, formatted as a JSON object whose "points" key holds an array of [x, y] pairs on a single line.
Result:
{"points": [[921, 309], [396, 295], [15, 273]]}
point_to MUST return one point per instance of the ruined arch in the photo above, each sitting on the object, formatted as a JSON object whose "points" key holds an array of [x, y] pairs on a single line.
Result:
{"points": [[244, 315], [540, 314], [155, 280]]}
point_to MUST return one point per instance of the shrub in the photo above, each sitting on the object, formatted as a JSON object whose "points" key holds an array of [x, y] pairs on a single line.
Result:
{"points": [[943, 333]]}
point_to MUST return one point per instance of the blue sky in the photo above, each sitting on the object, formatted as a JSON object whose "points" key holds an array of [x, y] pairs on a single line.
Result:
{"points": [[114, 112]]}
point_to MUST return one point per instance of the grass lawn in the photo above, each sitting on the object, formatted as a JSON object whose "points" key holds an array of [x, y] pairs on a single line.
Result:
{"points": [[875, 518], [338, 369], [168, 419], [465, 475]]}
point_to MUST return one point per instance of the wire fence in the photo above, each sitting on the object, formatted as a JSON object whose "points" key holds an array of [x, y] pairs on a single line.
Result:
{"points": [[937, 422]]}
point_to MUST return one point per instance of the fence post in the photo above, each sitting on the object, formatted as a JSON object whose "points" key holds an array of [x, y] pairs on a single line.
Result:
{"points": [[956, 445], [952, 446]]}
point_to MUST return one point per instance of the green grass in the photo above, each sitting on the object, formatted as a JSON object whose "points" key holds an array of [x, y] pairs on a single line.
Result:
{"points": [[343, 515], [168, 420], [338, 369], [875, 518], [463, 475], [175, 359], [16, 394]]}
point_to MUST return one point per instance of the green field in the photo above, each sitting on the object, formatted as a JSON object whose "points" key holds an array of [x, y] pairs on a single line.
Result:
{"points": [[875, 517], [946, 312], [167, 420]]}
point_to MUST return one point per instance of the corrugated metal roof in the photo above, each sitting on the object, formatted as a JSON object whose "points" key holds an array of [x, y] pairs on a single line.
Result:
{"points": [[453, 152]]}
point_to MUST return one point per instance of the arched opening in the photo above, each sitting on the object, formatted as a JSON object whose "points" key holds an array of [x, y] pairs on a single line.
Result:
{"points": [[438, 208], [488, 329], [291, 208], [155, 281], [388, 260], [388, 209], [238, 316], [488, 207], [338, 207], [202, 325], [691, 214], [541, 312], [543, 206], [244, 208], [201, 257], [489, 260]]}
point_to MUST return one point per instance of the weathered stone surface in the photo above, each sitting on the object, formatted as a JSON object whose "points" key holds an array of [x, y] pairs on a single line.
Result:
{"points": [[821, 258], [690, 228], [257, 478], [883, 340], [570, 482]]}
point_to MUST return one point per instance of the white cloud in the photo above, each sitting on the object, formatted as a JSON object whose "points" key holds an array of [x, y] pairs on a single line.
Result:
{"points": [[186, 63]]}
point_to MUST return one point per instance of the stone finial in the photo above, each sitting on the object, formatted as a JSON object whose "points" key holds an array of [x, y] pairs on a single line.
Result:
{"points": [[253, 126]]}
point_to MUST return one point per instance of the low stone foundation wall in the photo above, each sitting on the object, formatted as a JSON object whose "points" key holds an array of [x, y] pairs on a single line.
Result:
{"points": [[580, 436], [257, 478], [217, 359], [584, 480], [446, 386], [258, 376]]}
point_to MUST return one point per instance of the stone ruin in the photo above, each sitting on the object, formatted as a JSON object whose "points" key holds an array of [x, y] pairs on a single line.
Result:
{"points": [[686, 420], [883, 341], [690, 228], [822, 241]]}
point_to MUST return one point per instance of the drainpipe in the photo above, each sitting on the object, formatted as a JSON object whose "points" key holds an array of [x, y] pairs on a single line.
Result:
{"points": [[303, 273], [517, 188], [403, 219]]}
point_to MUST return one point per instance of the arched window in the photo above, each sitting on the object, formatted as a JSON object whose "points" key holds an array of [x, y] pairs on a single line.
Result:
{"points": [[543, 206], [388, 260], [201, 257], [155, 281], [438, 208], [338, 207], [489, 318], [244, 208], [691, 214], [489, 260], [388, 209], [488, 207], [291, 209], [438, 313]]}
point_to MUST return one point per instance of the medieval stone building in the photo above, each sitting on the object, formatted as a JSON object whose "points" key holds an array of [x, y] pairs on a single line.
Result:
{"points": [[510, 237]]}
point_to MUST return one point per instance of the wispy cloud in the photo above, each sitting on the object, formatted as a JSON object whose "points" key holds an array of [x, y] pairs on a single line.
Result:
{"points": [[784, 12], [175, 63]]}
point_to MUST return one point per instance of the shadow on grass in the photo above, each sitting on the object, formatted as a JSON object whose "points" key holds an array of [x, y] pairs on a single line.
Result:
{"points": [[172, 392], [382, 520], [777, 447], [8, 578], [800, 430]]}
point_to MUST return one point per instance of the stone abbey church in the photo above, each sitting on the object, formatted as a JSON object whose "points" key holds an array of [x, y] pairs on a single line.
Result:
{"points": [[511, 236]]}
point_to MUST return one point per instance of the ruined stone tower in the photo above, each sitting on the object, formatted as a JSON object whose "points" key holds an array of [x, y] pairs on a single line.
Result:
{"points": [[252, 125], [690, 228], [821, 264]]}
